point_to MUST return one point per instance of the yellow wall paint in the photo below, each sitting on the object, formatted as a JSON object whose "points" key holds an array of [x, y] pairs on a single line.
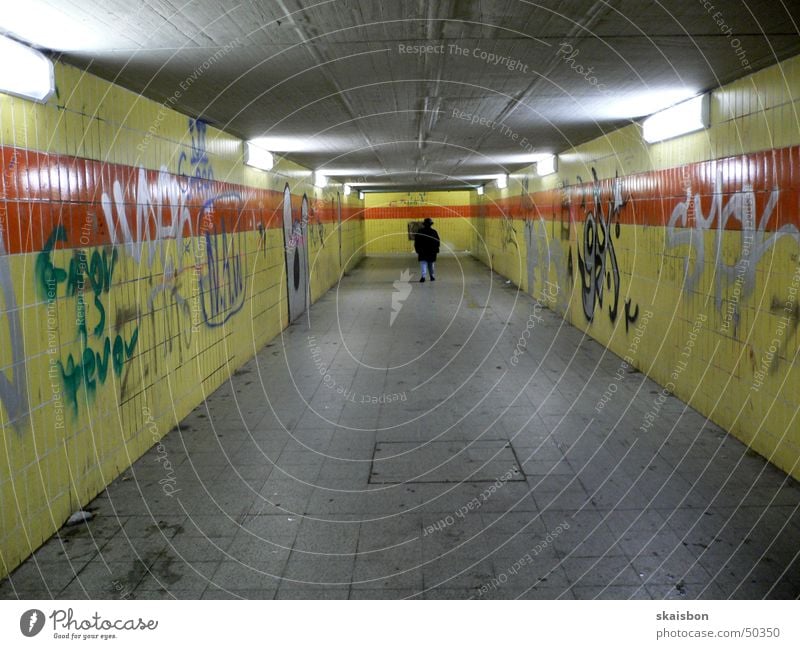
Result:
{"points": [[58, 456], [718, 375], [452, 198], [390, 235]]}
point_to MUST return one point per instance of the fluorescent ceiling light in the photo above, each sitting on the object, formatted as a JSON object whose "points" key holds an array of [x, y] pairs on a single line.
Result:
{"points": [[40, 23], [282, 144], [480, 190], [347, 190], [634, 104], [293, 144], [686, 117], [473, 177], [257, 157], [361, 196], [547, 166], [502, 181], [517, 158], [352, 171], [320, 179], [25, 72]]}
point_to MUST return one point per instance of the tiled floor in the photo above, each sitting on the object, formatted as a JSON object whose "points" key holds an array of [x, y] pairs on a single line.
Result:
{"points": [[365, 459]]}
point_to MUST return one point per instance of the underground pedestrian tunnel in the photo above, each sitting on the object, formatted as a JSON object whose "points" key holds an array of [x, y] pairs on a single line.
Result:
{"points": [[222, 378]]}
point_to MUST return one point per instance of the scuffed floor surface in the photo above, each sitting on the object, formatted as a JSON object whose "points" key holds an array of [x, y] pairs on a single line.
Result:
{"points": [[393, 450]]}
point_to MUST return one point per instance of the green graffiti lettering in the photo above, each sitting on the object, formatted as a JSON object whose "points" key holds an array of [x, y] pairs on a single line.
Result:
{"points": [[71, 378], [101, 325], [97, 273], [95, 269], [80, 318], [109, 265], [77, 270], [88, 371], [102, 361], [132, 343], [118, 355], [93, 366], [47, 276]]}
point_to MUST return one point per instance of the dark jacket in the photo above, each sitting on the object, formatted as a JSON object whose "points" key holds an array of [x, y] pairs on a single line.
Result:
{"points": [[426, 243]]}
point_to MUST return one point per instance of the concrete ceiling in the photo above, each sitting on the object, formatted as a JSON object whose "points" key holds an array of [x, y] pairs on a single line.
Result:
{"points": [[333, 85]]}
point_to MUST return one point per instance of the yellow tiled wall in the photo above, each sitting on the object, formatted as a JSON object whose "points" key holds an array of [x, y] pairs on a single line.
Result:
{"points": [[388, 213], [697, 325], [63, 442]]}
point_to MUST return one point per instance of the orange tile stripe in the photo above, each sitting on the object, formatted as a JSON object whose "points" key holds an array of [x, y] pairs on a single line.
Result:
{"points": [[650, 198], [39, 191]]}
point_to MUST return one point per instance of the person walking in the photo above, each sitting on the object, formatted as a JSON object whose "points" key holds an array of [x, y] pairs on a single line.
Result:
{"points": [[426, 245]]}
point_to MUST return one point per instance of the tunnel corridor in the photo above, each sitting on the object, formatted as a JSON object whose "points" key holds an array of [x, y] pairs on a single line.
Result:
{"points": [[222, 378]]}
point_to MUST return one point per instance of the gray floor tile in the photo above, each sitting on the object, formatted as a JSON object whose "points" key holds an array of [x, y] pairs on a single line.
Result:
{"points": [[386, 593], [611, 592], [293, 592], [328, 537], [264, 593], [237, 576], [304, 569]]}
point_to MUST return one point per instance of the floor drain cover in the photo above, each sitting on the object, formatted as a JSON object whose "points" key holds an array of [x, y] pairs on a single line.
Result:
{"points": [[450, 461]]}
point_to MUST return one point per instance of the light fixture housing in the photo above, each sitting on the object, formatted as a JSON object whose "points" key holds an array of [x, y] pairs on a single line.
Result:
{"points": [[347, 190], [258, 157], [502, 181], [686, 117], [479, 189], [547, 166], [47, 27], [320, 179], [26, 73]]}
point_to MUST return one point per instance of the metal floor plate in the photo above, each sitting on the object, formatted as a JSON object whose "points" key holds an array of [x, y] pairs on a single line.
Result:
{"points": [[446, 461]]}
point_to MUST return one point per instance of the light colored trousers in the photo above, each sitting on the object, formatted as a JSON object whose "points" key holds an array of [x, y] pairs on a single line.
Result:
{"points": [[424, 265]]}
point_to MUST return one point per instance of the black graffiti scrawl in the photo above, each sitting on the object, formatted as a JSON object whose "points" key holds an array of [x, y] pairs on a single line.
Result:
{"points": [[597, 261]]}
